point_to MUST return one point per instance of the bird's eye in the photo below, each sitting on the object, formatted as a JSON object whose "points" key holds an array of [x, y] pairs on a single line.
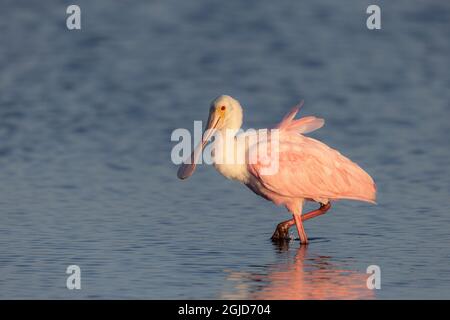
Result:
{"points": [[222, 108]]}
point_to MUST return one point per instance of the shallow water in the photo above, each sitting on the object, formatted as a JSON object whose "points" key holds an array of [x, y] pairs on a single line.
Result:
{"points": [[85, 124]]}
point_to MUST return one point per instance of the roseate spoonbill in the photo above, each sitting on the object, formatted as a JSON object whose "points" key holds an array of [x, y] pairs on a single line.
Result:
{"points": [[308, 170]]}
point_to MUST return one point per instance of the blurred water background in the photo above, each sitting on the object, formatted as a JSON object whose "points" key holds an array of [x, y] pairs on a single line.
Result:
{"points": [[85, 124]]}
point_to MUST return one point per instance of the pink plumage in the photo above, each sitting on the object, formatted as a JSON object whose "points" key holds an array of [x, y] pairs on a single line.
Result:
{"points": [[309, 169]]}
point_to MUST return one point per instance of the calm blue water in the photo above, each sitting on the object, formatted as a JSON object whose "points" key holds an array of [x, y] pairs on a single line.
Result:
{"points": [[85, 125]]}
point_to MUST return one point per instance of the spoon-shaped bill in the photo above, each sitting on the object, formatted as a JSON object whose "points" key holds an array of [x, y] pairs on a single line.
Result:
{"points": [[189, 165]]}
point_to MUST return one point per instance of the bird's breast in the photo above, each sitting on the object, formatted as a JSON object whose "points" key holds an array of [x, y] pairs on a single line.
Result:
{"points": [[230, 159], [237, 172]]}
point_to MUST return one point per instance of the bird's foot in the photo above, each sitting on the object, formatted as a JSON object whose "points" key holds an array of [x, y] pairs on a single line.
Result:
{"points": [[281, 232]]}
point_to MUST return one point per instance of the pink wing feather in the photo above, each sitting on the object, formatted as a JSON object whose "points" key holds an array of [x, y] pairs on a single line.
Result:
{"points": [[309, 169]]}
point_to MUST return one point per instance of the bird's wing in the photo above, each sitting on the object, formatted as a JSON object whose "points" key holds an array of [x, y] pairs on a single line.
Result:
{"points": [[309, 169], [302, 125]]}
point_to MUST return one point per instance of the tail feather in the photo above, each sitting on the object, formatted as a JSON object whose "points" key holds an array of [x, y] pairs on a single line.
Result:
{"points": [[306, 124], [302, 125]]}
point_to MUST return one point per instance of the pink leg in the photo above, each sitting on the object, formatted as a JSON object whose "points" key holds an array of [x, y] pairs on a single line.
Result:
{"points": [[312, 214], [282, 230], [301, 230]]}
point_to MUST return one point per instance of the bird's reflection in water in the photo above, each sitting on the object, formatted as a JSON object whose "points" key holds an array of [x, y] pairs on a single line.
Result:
{"points": [[304, 276]]}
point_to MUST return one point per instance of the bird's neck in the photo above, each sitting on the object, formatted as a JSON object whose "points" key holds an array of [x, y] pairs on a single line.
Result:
{"points": [[229, 155]]}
